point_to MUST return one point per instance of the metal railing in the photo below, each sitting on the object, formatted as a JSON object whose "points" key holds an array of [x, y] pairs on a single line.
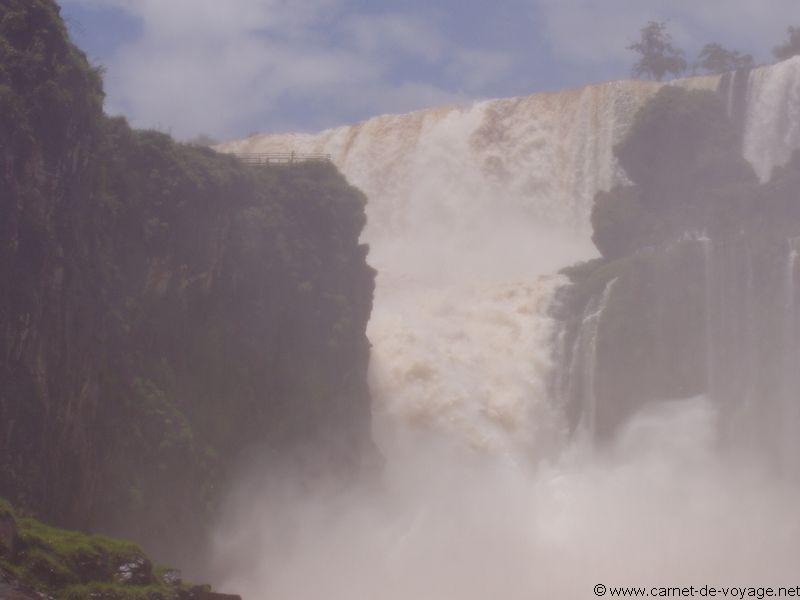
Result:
{"points": [[268, 158]]}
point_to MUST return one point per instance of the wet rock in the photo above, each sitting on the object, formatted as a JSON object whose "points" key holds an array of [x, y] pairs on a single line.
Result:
{"points": [[11, 589], [139, 571], [172, 577]]}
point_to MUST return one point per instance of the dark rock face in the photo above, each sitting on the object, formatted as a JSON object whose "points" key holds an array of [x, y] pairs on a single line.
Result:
{"points": [[9, 536], [162, 308], [634, 331], [697, 292]]}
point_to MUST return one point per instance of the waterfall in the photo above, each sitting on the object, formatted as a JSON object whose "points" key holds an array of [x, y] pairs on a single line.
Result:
{"points": [[708, 273], [470, 209], [772, 116], [469, 363], [466, 200], [542, 156], [753, 345], [732, 322], [470, 212], [789, 409], [584, 360]]}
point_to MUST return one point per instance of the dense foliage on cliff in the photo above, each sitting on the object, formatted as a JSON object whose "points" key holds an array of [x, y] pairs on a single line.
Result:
{"points": [[696, 265], [682, 156], [162, 307], [714, 58]]}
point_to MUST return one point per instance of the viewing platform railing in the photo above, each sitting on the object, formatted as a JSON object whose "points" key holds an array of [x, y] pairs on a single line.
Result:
{"points": [[285, 158]]}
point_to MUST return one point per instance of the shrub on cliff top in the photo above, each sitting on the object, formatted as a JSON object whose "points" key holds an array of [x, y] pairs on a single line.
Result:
{"points": [[681, 139]]}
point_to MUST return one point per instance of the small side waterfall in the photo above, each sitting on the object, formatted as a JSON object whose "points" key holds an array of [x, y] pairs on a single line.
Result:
{"points": [[733, 87], [771, 119], [583, 367], [789, 451], [731, 322], [708, 266], [752, 343]]}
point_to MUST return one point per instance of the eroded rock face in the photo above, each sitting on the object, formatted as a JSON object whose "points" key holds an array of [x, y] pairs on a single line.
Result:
{"points": [[162, 308], [700, 295]]}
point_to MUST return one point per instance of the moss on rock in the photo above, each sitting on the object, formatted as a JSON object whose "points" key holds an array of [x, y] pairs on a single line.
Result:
{"points": [[71, 565]]}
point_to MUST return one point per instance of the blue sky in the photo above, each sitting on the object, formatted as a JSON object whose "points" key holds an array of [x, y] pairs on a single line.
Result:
{"points": [[228, 68]]}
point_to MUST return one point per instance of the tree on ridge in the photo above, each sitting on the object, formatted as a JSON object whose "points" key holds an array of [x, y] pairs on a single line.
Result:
{"points": [[658, 57], [715, 59]]}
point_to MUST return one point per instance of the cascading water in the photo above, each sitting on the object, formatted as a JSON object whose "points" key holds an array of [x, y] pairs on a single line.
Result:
{"points": [[790, 411], [542, 156], [462, 199], [752, 346], [471, 210], [583, 362], [772, 115]]}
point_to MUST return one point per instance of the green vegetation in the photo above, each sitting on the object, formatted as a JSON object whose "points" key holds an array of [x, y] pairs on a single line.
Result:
{"points": [[715, 59], [76, 566], [165, 308], [657, 56]]}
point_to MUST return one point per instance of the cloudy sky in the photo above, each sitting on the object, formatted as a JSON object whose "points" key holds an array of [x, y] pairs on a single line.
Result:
{"points": [[228, 68]]}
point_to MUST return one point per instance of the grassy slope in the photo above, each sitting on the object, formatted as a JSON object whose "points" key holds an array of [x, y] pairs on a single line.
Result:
{"points": [[76, 566]]}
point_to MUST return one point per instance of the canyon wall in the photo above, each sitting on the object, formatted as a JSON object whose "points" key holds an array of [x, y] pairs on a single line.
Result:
{"points": [[165, 311]]}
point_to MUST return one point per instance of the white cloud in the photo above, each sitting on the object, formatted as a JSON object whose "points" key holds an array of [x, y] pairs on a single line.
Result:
{"points": [[206, 65], [409, 35], [477, 69], [228, 67], [225, 67]]}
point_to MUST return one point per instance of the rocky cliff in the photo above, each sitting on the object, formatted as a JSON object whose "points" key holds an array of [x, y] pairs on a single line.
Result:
{"points": [[163, 308], [696, 292]]}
